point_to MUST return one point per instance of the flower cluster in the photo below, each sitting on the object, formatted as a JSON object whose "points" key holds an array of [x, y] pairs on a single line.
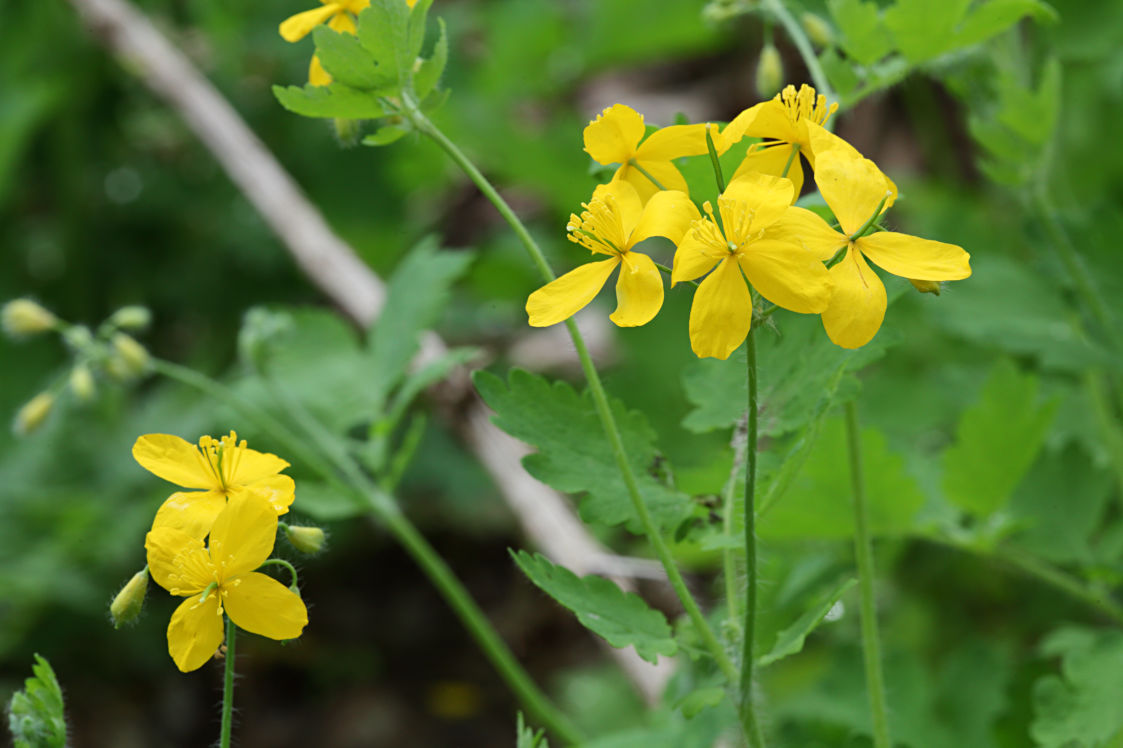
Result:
{"points": [[756, 241], [237, 497]]}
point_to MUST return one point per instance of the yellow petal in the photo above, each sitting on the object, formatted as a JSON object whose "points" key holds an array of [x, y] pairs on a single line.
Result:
{"points": [[787, 275], [852, 187], [673, 142], [767, 197], [317, 76], [613, 136], [721, 313], [768, 119], [858, 303], [243, 465], [278, 490], [243, 535], [735, 130], [175, 460], [808, 230], [358, 6], [913, 257], [693, 259], [639, 291], [664, 172], [772, 159], [192, 512], [628, 204], [178, 562], [195, 632], [559, 300], [295, 28], [821, 140], [668, 214], [262, 605], [342, 23]]}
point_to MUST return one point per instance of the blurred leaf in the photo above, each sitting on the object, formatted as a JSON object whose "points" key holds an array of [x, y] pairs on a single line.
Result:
{"points": [[574, 453], [996, 441], [325, 503], [840, 72], [923, 29], [336, 100], [429, 72], [702, 698], [1080, 707], [864, 37], [1032, 114], [790, 640], [345, 58], [22, 108], [384, 30], [992, 17], [35, 715], [623, 619], [386, 135], [817, 504], [528, 737]]}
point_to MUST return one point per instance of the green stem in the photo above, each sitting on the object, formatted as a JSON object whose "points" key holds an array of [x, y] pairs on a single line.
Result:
{"points": [[670, 272], [715, 162], [600, 399], [228, 686], [803, 45], [739, 443], [383, 508], [863, 550], [285, 564], [650, 177], [748, 655]]}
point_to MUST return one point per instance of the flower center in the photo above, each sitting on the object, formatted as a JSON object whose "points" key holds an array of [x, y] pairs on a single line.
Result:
{"points": [[804, 104], [599, 228]]}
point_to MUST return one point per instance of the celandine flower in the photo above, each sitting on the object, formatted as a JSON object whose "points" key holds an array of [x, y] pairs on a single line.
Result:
{"points": [[751, 239], [782, 122], [614, 138], [613, 222], [858, 193], [222, 579], [223, 469]]}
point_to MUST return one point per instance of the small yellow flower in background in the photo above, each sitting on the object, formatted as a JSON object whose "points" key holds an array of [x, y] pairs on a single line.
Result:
{"points": [[614, 138], [222, 469], [858, 193], [222, 579], [755, 242], [782, 122], [613, 222]]}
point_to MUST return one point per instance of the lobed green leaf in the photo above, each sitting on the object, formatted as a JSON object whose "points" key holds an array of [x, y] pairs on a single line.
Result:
{"points": [[335, 100], [790, 641], [349, 62], [35, 714], [864, 35]]}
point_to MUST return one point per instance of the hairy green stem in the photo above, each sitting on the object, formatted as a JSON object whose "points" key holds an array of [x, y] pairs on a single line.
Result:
{"points": [[738, 444], [382, 508], [803, 45], [748, 640], [283, 563], [863, 550], [228, 686], [596, 388]]}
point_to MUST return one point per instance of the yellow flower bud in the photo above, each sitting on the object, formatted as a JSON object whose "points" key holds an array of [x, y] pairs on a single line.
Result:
{"points": [[130, 358], [33, 413], [23, 317], [818, 30], [769, 72], [82, 383], [926, 286], [305, 539], [131, 318], [126, 606]]}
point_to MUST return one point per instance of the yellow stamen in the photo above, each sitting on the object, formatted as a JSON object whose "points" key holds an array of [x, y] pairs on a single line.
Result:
{"points": [[599, 228], [804, 104]]}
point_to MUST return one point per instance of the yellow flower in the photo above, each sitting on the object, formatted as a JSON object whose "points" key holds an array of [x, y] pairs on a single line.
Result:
{"points": [[223, 469], [857, 193], [613, 222], [782, 121], [614, 138], [754, 241], [222, 578]]}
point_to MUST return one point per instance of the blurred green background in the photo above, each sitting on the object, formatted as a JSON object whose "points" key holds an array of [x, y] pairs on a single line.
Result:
{"points": [[107, 199]]}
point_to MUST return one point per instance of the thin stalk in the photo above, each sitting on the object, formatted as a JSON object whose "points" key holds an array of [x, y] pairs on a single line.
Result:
{"points": [[748, 640], [670, 272], [739, 444], [715, 162], [650, 177], [803, 45], [863, 550], [383, 508], [600, 399], [228, 687]]}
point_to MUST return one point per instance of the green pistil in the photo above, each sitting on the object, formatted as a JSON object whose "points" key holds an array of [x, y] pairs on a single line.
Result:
{"points": [[632, 162], [791, 159], [872, 222], [207, 591]]}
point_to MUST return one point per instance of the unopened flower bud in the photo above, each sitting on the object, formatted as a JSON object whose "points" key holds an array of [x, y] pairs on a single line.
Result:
{"points": [[126, 606], [129, 359], [78, 337], [818, 30], [33, 413], [769, 72], [131, 318], [926, 286], [23, 317], [347, 131], [305, 539], [82, 383]]}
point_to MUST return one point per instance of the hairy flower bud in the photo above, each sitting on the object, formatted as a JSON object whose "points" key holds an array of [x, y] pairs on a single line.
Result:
{"points": [[926, 286], [305, 539], [818, 30], [769, 72], [82, 383], [33, 413], [131, 318], [126, 606], [21, 318], [130, 358]]}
